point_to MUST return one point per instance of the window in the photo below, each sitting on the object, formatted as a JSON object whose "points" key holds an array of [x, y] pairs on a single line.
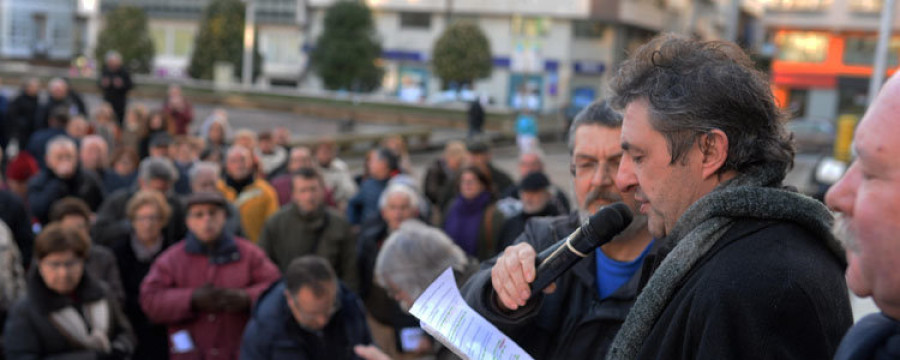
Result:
{"points": [[158, 35], [860, 50], [183, 43], [587, 29], [281, 48], [415, 20], [866, 6], [530, 26], [809, 47], [799, 5]]}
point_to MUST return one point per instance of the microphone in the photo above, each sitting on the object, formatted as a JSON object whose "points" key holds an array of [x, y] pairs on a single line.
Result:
{"points": [[598, 230]]}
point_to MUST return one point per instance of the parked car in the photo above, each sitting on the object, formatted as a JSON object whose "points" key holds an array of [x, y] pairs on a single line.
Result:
{"points": [[813, 135]]}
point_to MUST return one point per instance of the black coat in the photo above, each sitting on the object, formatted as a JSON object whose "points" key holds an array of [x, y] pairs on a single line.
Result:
{"points": [[22, 118], [112, 218], [153, 343], [45, 188], [30, 334], [379, 304], [117, 96], [765, 290], [571, 323], [72, 103], [274, 334], [514, 226], [17, 217]]}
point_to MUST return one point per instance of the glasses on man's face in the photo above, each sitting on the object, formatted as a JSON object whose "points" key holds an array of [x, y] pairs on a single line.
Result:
{"points": [[587, 168], [62, 265]]}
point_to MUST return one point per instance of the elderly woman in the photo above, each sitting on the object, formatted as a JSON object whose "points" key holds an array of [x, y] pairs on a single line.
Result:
{"points": [[412, 257], [66, 314], [148, 212], [472, 219]]}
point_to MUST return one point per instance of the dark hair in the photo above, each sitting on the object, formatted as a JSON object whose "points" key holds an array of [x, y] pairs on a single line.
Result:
{"points": [[391, 158], [126, 152], [69, 206], [693, 87], [310, 271], [59, 117], [54, 238], [597, 113], [483, 178], [307, 173]]}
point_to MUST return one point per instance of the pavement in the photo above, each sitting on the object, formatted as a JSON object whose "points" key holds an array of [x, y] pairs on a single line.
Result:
{"points": [[504, 155]]}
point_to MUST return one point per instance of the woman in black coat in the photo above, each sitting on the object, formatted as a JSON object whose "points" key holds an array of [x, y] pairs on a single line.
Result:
{"points": [[66, 314], [136, 248]]}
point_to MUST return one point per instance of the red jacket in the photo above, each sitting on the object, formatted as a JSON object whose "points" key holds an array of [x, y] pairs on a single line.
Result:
{"points": [[166, 292]]}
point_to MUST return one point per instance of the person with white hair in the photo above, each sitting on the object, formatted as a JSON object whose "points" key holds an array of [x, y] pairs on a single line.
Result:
{"points": [[409, 261], [398, 203], [62, 177], [115, 82], [94, 155]]}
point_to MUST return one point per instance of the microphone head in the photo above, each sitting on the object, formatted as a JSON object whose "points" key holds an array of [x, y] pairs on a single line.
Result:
{"points": [[604, 225]]}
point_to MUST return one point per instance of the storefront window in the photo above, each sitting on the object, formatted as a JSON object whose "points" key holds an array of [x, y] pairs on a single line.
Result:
{"points": [[860, 50], [867, 6], [809, 47], [798, 5]]}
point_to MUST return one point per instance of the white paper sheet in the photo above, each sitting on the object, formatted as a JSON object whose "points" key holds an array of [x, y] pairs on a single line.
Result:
{"points": [[446, 316]]}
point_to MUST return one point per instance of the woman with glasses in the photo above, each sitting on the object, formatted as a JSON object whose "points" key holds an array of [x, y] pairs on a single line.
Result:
{"points": [[148, 212], [66, 314]]}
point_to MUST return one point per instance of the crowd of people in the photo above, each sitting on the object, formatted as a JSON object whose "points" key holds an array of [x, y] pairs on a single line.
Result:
{"points": [[183, 233], [139, 233]]}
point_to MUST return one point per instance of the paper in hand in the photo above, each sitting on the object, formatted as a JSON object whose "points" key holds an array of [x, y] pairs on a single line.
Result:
{"points": [[446, 316]]}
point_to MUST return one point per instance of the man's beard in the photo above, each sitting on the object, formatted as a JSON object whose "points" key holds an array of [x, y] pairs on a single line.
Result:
{"points": [[841, 230], [594, 195]]}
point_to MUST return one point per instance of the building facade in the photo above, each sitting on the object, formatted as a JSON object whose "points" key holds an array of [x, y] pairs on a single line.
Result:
{"points": [[53, 30], [824, 54]]}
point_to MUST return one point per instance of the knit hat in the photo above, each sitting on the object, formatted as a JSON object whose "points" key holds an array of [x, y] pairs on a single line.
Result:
{"points": [[22, 167], [534, 181]]}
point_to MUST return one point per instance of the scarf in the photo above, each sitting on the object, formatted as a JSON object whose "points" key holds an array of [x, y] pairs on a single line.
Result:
{"points": [[464, 221], [83, 317], [239, 184], [143, 253], [753, 194]]}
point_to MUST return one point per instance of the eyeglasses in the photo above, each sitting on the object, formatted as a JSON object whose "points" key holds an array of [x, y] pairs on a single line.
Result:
{"points": [[585, 168], [58, 265]]}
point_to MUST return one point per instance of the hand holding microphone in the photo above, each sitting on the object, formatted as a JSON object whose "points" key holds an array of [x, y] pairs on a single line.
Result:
{"points": [[521, 273]]}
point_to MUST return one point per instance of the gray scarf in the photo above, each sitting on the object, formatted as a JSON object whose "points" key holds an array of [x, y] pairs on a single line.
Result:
{"points": [[753, 194]]}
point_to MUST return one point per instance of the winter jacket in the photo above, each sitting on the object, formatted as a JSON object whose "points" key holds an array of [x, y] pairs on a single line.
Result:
{"points": [[488, 231], [875, 337], [381, 306], [256, 202], [45, 188], [113, 213], [181, 119], [749, 271], [338, 181], [153, 343], [514, 226], [289, 234], [166, 292], [22, 117], [116, 95], [30, 334], [72, 104], [14, 213], [101, 264], [571, 323], [365, 204], [437, 178], [274, 334]]}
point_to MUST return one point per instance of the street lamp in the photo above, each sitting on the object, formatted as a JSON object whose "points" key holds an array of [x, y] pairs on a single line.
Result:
{"points": [[249, 39]]}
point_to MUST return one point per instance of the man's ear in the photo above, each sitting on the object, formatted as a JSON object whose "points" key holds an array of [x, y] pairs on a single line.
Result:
{"points": [[714, 149]]}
